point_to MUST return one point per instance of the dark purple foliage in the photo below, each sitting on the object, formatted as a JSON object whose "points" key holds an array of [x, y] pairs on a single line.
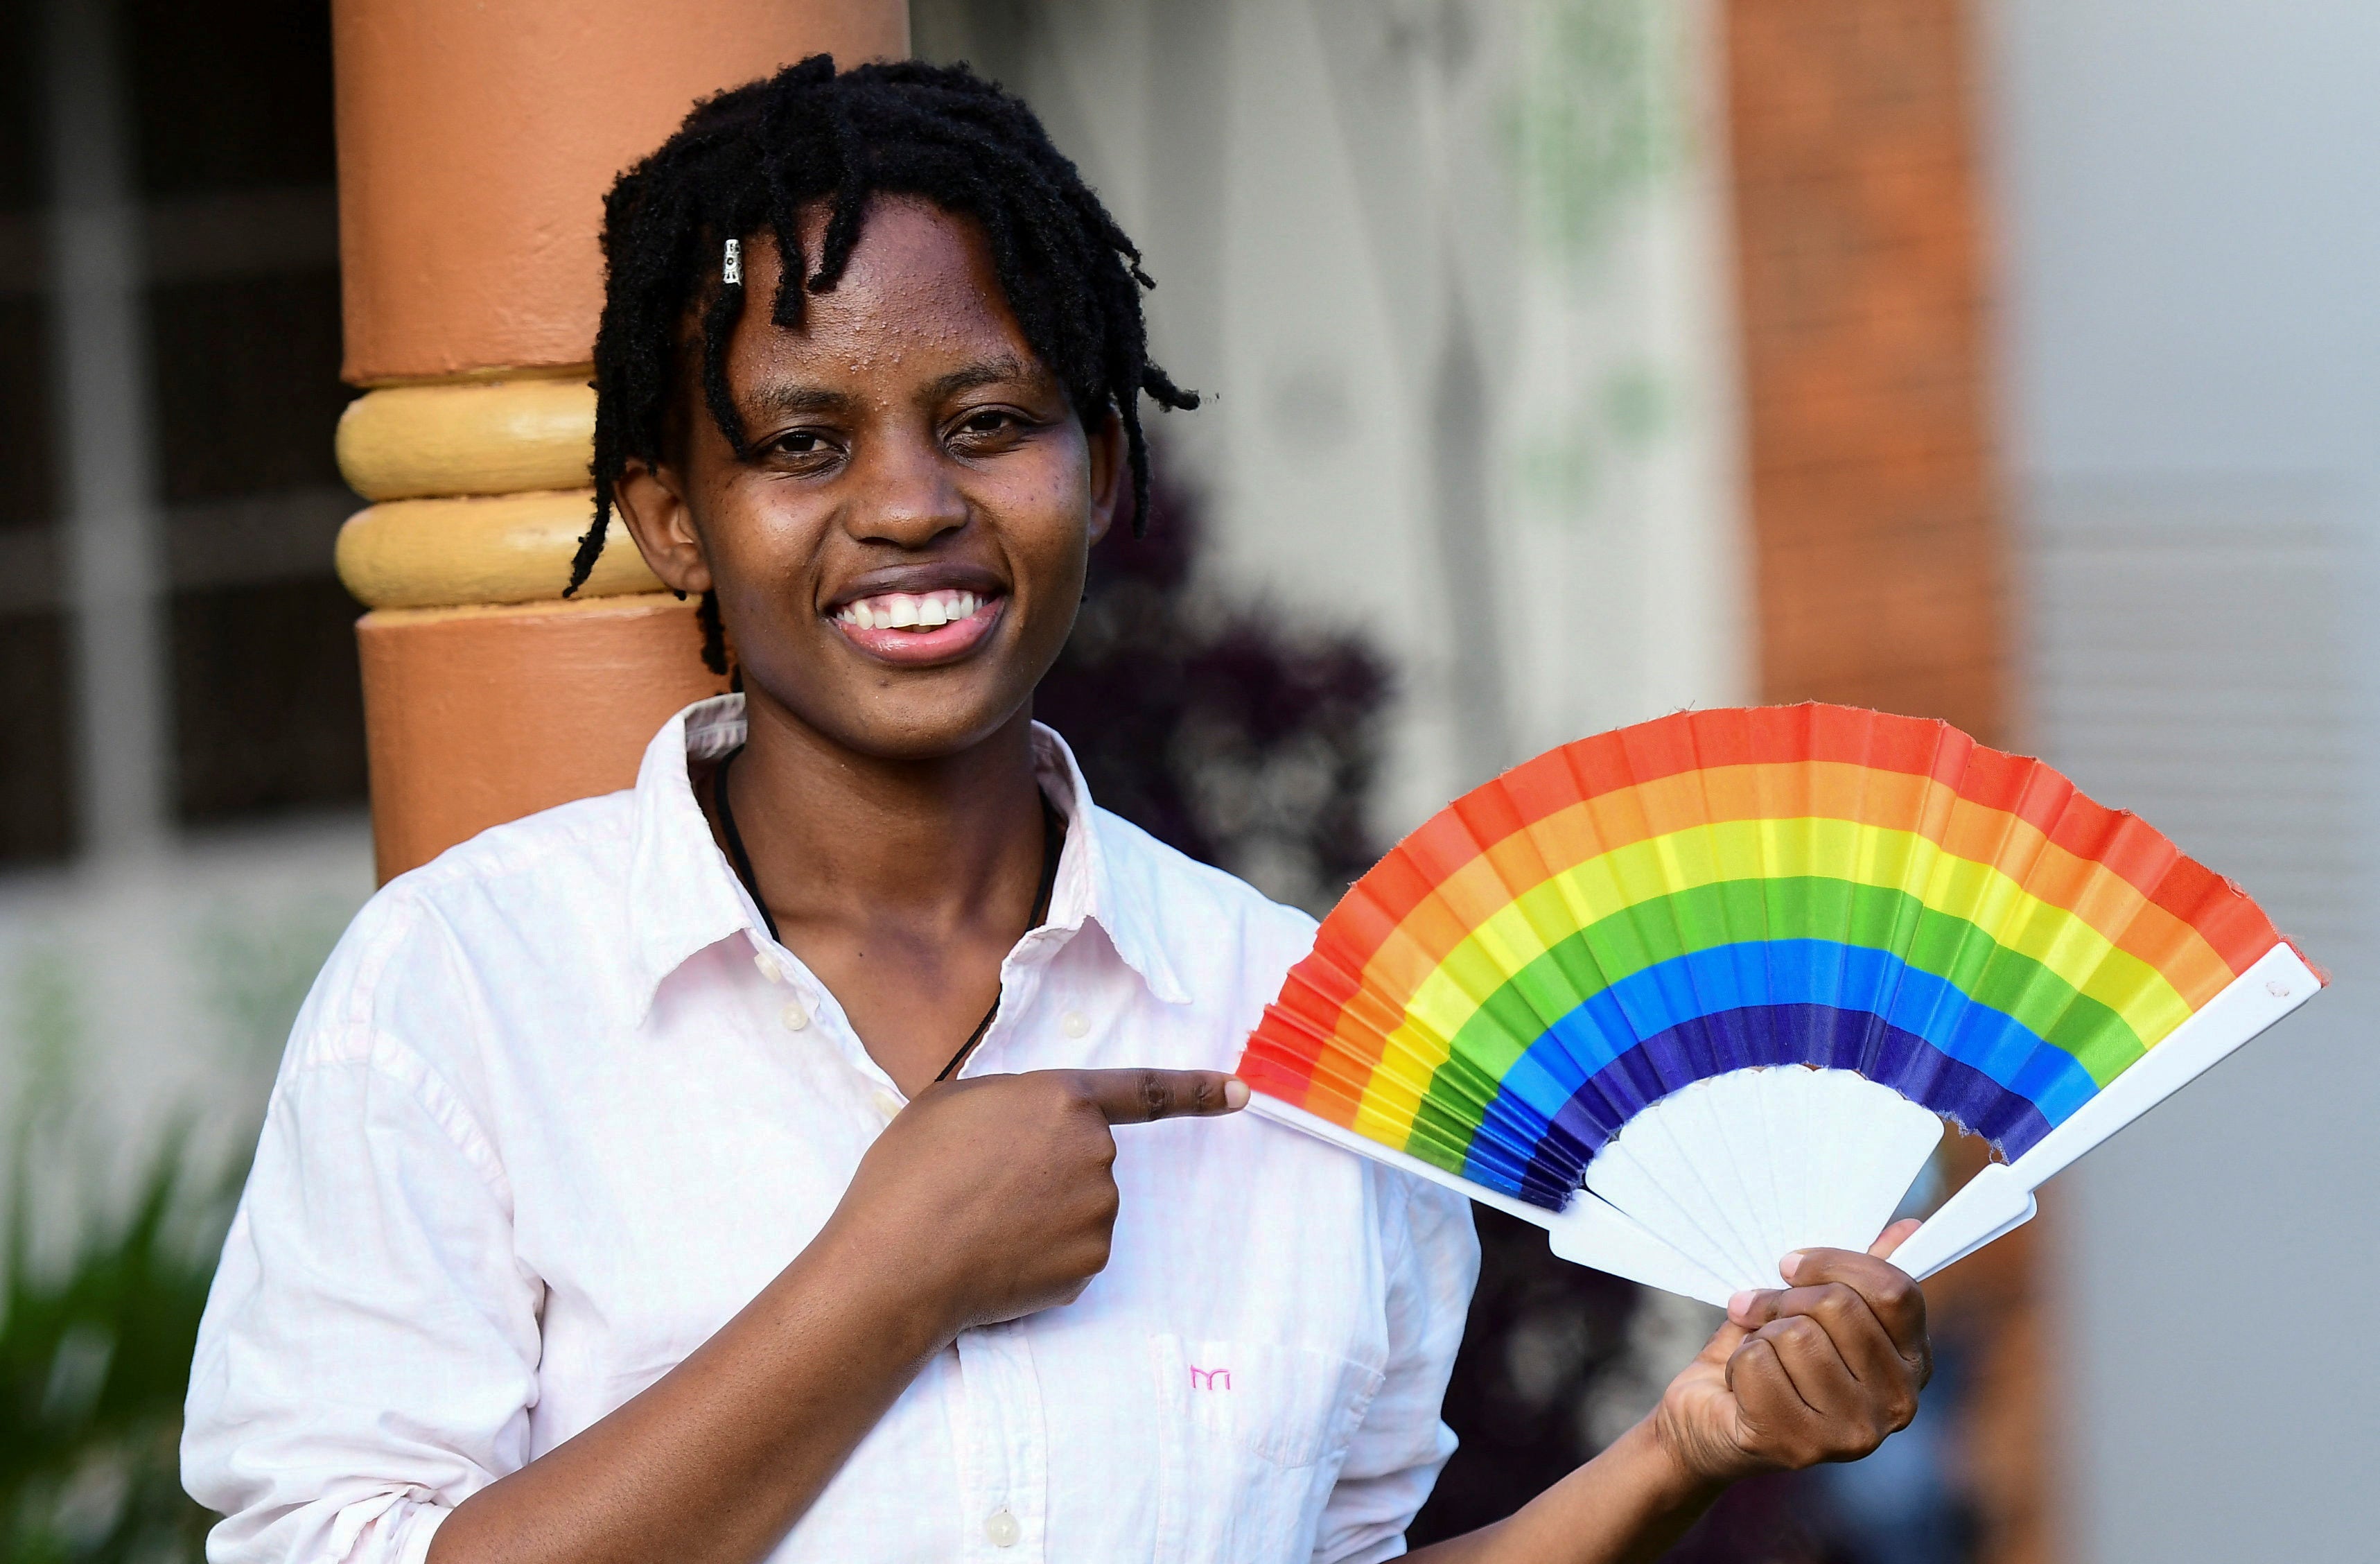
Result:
{"points": [[1542, 1334], [1243, 744]]}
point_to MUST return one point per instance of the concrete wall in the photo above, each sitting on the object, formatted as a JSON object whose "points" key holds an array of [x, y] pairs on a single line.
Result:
{"points": [[2191, 229]]}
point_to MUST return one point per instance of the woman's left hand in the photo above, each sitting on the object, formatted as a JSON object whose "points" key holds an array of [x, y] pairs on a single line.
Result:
{"points": [[1820, 1370]]}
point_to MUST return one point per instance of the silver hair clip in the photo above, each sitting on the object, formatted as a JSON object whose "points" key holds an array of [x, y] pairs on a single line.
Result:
{"points": [[731, 265]]}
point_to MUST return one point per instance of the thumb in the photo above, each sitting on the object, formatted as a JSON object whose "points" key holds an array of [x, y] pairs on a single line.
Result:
{"points": [[1724, 1341]]}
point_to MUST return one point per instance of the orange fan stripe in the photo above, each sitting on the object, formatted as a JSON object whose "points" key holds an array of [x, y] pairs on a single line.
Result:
{"points": [[1584, 831], [2115, 841]]}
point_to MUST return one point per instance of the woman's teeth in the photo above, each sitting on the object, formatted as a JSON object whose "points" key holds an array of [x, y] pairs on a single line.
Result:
{"points": [[910, 610]]}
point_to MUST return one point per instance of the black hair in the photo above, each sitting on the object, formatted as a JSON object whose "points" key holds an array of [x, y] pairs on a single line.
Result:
{"points": [[746, 163]]}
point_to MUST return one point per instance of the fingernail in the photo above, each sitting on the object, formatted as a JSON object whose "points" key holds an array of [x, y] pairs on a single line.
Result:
{"points": [[1740, 1304], [1790, 1264], [1235, 1093]]}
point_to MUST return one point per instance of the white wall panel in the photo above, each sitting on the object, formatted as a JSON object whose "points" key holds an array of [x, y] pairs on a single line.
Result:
{"points": [[2187, 221]]}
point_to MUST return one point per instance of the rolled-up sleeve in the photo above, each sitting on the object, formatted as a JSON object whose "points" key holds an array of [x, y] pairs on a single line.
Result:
{"points": [[369, 1351], [1396, 1455]]}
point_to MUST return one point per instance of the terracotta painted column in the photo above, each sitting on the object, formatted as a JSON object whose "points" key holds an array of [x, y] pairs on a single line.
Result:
{"points": [[475, 140]]}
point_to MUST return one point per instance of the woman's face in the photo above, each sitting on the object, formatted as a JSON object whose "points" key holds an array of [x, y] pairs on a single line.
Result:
{"points": [[900, 558]]}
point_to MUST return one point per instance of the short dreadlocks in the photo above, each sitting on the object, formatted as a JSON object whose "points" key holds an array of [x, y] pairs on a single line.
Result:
{"points": [[747, 161]]}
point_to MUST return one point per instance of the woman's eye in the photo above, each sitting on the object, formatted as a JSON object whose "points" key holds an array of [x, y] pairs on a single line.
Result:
{"points": [[989, 424], [801, 443]]}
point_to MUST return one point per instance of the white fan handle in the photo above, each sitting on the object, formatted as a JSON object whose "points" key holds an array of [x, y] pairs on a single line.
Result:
{"points": [[1586, 1232], [1999, 1199]]}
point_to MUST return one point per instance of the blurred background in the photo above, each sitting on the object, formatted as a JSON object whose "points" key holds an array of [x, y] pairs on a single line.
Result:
{"points": [[1570, 361]]}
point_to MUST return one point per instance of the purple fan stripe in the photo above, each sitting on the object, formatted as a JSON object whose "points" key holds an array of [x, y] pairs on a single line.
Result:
{"points": [[1772, 1034]]}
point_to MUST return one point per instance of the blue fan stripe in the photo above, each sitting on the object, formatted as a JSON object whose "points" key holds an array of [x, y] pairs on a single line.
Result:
{"points": [[1545, 1099]]}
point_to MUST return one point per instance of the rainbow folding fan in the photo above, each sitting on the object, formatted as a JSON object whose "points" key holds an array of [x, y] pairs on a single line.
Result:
{"points": [[1701, 991]]}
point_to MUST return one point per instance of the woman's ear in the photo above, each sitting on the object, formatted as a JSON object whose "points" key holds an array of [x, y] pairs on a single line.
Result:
{"points": [[651, 501], [1110, 477]]}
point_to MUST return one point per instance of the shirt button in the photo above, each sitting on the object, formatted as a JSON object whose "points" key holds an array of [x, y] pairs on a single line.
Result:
{"points": [[1000, 1530], [1074, 1023], [886, 1103], [769, 967], [794, 1017]]}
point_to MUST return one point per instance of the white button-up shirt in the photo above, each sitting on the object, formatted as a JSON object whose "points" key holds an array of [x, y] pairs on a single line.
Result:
{"points": [[558, 1107]]}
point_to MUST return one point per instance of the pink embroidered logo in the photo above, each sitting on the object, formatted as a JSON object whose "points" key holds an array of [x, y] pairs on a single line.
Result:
{"points": [[1209, 1379]]}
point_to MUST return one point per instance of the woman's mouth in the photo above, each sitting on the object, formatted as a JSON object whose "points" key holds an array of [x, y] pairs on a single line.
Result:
{"points": [[918, 627]]}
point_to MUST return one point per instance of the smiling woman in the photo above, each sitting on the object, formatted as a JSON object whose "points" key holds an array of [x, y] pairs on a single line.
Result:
{"points": [[623, 1196]]}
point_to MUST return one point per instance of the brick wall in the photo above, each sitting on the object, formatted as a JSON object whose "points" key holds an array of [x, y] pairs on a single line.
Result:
{"points": [[1864, 291]]}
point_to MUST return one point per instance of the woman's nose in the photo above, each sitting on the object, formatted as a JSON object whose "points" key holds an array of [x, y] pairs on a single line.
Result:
{"points": [[907, 499]]}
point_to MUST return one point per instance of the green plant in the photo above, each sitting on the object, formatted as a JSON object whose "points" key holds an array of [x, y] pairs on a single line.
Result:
{"points": [[94, 1360], [95, 1342]]}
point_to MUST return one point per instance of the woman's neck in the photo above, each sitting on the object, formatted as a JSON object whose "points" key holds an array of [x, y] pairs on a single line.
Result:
{"points": [[901, 884], [936, 840]]}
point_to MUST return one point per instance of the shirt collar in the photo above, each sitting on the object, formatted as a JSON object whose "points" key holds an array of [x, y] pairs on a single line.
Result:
{"points": [[1106, 874], [684, 899]]}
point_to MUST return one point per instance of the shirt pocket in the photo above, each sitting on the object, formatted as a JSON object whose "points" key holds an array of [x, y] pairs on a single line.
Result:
{"points": [[1250, 1437]]}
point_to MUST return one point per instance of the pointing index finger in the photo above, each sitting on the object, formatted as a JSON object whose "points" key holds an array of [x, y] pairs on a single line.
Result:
{"points": [[1137, 1096]]}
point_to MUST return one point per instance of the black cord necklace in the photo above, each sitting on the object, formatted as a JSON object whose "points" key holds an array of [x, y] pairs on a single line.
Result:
{"points": [[1053, 842]]}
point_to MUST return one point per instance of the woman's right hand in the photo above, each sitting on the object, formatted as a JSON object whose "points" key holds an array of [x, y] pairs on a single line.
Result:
{"points": [[995, 1196], [982, 1200]]}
